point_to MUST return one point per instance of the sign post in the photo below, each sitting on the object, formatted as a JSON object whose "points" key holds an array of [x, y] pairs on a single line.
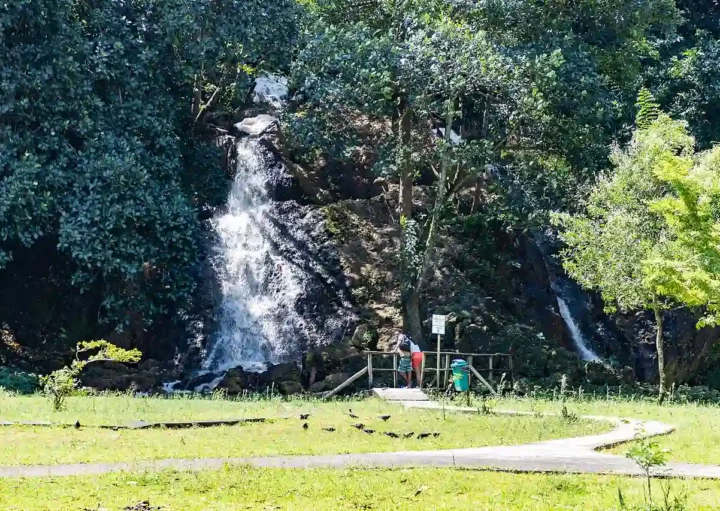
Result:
{"points": [[438, 328]]}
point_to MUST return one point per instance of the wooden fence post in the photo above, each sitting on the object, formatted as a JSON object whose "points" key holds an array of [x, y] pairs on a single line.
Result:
{"points": [[470, 364], [395, 366], [370, 372]]}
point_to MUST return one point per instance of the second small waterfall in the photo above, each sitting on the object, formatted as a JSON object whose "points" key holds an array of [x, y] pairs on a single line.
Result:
{"points": [[577, 337]]}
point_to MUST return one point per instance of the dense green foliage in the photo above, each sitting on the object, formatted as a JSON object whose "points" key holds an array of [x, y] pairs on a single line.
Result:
{"points": [[61, 384], [529, 89], [108, 112], [105, 160], [18, 381], [649, 235]]}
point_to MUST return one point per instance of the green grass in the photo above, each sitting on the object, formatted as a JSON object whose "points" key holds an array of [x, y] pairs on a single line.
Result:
{"points": [[274, 489], [119, 409], [283, 436], [696, 439]]}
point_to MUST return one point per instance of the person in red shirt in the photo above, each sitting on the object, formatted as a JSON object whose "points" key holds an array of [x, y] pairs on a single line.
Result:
{"points": [[405, 345]]}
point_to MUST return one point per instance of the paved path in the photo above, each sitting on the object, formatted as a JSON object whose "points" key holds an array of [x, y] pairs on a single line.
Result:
{"points": [[573, 455]]}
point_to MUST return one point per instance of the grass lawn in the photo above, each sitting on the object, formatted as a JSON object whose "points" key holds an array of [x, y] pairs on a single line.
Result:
{"points": [[43, 445], [696, 439], [273, 489]]}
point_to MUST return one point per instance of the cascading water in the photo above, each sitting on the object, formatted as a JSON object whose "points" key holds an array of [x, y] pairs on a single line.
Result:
{"points": [[257, 315], [577, 337], [561, 288]]}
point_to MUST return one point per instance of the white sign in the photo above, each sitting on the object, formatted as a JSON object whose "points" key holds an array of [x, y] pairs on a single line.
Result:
{"points": [[438, 324]]}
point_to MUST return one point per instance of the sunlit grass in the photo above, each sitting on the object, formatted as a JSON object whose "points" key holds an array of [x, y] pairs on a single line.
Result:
{"points": [[696, 439], [283, 434], [242, 488]]}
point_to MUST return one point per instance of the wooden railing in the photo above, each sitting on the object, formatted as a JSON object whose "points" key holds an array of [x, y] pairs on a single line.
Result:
{"points": [[495, 364], [491, 368]]}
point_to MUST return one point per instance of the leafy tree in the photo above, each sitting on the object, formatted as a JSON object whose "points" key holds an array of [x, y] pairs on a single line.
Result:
{"points": [[105, 130], [523, 86], [648, 238], [648, 109]]}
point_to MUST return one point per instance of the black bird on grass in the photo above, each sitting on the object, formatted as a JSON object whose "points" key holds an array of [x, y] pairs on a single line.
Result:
{"points": [[391, 434], [385, 417], [436, 434], [369, 431], [359, 426], [305, 426], [329, 429], [422, 436], [351, 414], [77, 424], [304, 416], [409, 435]]}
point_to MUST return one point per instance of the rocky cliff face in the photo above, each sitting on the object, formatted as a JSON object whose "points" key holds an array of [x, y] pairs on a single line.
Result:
{"points": [[498, 288]]}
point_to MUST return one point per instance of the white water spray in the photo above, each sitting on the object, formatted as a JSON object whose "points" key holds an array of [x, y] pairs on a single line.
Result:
{"points": [[257, 318], [577, 337]]}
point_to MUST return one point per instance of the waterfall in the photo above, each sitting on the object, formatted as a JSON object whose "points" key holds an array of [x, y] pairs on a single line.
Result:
{"points": [[257, 318], [562, 288], [577, 337]]}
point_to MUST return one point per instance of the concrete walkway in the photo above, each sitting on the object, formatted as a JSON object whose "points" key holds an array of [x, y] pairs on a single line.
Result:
{"points": [[571, 455]]}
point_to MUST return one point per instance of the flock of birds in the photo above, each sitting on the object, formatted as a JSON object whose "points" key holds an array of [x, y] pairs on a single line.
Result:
{"points": [[361, 427]]}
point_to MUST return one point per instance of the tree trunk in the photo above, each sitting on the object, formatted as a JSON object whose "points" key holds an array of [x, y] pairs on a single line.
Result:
{"points": [[197, 99], [412, 324], [660, 352], [440, 199], [406, 170], [476, 198], [408, 292]]}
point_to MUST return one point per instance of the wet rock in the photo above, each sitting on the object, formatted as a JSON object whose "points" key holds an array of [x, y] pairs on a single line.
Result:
{"points": [[290, 387], [234, 381], [256, 126], [271, 89], [281, 372], [202, 379], [598, 373], [362, 337]]}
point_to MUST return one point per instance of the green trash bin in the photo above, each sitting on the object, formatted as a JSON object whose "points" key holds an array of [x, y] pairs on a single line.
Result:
{"points": [[460, 375]]}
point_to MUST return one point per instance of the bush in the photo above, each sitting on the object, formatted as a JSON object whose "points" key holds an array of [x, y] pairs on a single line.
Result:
{"points": [[18, 381], [63, 383]]}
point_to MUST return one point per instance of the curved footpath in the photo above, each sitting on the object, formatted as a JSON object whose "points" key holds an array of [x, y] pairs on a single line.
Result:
{"points": [[570, 455]]}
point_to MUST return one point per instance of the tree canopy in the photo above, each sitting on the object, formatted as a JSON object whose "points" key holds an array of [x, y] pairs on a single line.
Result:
{"points": [[105, 149], [109, 111], [648, 237], [523, 87]]}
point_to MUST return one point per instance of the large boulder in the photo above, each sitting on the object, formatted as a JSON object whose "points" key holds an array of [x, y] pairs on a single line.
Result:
{"points": [[196, 381], [597, 373], [290, 387], [363, 337], [235, 381], [120, 377], [281, 372], [320, 386], [336, 379]]}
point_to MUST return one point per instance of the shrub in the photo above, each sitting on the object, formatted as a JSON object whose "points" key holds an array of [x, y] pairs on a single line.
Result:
{"points": [[63, 383], [18, 381]]}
